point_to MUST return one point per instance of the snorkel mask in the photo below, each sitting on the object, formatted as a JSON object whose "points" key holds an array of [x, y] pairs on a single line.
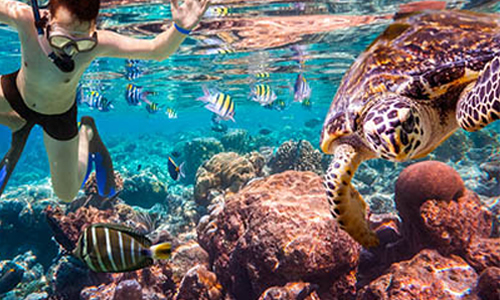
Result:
{"points": [[61, 40]]}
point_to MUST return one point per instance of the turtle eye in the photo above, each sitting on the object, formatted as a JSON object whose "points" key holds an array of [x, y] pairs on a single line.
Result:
{"points": [[409, 124]]}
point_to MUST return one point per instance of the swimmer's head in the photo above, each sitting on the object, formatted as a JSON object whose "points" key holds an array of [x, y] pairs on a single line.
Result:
{"points": [[77, 17]]}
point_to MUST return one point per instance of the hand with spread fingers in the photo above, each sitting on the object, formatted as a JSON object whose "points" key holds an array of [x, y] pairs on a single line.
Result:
{"points": [[189, 13]]}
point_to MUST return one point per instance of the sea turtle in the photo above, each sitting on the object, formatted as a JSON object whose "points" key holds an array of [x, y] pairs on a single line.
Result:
{"points": [[425, 76]]}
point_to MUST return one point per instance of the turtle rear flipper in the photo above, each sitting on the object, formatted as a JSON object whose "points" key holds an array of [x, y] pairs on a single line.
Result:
{"points": [[346, 204], [479, 104]]}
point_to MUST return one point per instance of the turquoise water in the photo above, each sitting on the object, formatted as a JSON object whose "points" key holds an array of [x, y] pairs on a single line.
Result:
{"points": [[249, 31], [228, 51]]}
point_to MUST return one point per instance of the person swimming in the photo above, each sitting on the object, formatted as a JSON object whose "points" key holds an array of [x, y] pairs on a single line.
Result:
{"points": [[57, 46]]}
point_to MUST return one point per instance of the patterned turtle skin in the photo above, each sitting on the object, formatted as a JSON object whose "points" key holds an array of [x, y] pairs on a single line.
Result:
{"points": [[428, 74]]}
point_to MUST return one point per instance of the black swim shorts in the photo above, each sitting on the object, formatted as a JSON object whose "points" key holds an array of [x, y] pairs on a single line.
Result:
{"points": [[61, 127]]}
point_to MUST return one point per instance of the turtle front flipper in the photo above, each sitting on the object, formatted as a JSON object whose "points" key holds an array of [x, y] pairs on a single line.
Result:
{"points": [[479, 105], [346, 204]]}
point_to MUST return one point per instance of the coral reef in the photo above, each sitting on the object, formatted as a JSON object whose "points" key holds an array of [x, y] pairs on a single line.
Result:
{"points": [[298, 156], [197, 151], [293, 290], [226, 173], [23, 218], [488, 286], [437, 212], [276, 231], [148, 283], [200, 284], [144, 189], [236, 140], [27, 278], [428, 275]]}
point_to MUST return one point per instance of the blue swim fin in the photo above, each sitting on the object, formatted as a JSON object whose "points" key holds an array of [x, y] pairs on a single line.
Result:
{"points": [[10, 159], [100, 158]]}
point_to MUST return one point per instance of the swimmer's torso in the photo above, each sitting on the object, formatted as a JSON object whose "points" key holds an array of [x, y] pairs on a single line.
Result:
{"points": [[45, 88]]}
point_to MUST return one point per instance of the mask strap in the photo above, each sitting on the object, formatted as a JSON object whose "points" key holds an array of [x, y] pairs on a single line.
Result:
{"points": [[66, 63]]}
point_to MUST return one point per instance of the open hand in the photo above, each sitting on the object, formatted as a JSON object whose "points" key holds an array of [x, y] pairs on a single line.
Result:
{"points": [[189, 14]]}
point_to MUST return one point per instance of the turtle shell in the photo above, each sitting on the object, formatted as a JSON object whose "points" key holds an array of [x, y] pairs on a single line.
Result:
{"points": [[428, 57]]}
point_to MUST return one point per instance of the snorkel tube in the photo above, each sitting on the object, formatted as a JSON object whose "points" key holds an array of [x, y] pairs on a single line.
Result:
{"points": [[64, 62]]}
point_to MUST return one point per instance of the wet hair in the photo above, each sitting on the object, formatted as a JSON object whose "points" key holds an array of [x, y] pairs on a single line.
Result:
{"points": [[84, 10]]}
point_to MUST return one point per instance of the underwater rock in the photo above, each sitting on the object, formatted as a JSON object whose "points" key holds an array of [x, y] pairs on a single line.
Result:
{"points": [[199, 284], [483, 253], [226, 173], [154, 282], [21, 276], [491, 183], [275, 231], [23, 225], [374, 261], [488, 286], [291, 291], [69, 277], [492, 168], [197, 152], [428, 275], [298, 156], [73, 223], [418, 183], [128, 290], [453, 149], [236, 140], [144, 189], [451, 225], [185, 257]]}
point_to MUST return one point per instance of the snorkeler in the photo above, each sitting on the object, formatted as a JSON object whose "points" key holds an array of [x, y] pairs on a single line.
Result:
{"points": [[57, 45]]}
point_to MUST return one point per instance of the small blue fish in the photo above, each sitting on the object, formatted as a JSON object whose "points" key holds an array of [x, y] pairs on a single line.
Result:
{"points": [[219, 103], [153, 108], [176, 172], [133, 69], [301, 89], [135, 95], [263, 94], [96, 100], [279, 104]]}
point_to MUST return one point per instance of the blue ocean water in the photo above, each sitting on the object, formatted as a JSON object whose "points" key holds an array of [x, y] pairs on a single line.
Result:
{"points": [[202, 60], [230, 50]]}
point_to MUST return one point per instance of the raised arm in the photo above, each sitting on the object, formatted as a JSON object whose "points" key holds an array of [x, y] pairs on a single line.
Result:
{"points": [[13, 12], [186, 16]]}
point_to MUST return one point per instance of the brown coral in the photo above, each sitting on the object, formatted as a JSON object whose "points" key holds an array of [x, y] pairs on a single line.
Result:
{"points": [[226, 172], [275, 231], [426, 276], [199, 284]]}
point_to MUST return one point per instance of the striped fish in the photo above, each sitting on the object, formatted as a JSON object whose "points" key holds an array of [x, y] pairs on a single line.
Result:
{"points": [[262, 75], [115, 248], [135, 94], [171, 113], [217, 11], [263, 94], [301, 89], [219, 103], [153, 108]]}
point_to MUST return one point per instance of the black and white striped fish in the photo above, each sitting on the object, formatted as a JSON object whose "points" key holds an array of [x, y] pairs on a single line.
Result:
{"points": [[115, 248]]}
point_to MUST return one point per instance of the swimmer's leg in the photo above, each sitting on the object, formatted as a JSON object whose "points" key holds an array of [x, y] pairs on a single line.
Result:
{"points": [[69, 162]]}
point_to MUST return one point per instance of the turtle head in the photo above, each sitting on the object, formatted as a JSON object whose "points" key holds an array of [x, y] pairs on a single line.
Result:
{"points": [[394, 129]]}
